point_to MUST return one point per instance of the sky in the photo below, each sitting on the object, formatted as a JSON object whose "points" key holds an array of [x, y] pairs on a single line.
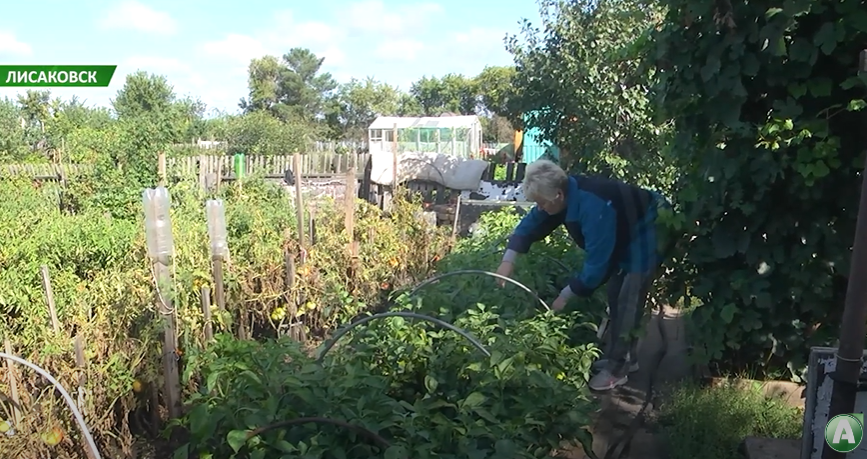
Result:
{"points": [[203, 47]]}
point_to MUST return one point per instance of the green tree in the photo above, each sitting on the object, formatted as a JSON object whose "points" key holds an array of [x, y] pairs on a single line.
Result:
{"points": [[579, 80], [290, 88], [12, 136], [260, 133], [770, 142], [452, 93], [358, 103], [496, 90]]}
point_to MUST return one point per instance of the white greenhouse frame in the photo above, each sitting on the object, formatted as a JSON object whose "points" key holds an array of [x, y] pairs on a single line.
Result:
{"points": [[459, 136]]}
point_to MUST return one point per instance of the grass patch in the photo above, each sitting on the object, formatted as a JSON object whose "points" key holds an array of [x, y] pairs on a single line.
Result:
{"points": [[712, 422]]}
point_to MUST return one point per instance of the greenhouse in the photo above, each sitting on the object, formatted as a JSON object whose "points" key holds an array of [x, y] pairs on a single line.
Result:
{"points": [[459, 136]]}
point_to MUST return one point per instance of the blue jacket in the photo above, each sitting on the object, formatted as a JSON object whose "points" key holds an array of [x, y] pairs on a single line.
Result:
{"points": [[612, 221]]}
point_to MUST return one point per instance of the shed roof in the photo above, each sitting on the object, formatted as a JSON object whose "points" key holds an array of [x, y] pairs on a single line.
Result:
{"points": [[426, 122]]}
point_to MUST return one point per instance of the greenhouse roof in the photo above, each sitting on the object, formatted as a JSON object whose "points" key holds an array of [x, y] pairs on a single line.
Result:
{"points": [[427, 122]]}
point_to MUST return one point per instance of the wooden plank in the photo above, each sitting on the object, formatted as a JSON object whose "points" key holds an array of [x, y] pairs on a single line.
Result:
{"points": [[521, 170], [497, 202]]}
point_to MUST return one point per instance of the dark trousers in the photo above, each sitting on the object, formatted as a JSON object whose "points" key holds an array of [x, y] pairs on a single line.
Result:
{"points": [[627, 302]]}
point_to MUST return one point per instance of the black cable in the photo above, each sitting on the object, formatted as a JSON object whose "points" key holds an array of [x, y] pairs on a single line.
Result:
{"points": [[617, 448]]}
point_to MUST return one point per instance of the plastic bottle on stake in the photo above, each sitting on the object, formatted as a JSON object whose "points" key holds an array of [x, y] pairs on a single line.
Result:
{"points": [[158, 222], [216, 212]]}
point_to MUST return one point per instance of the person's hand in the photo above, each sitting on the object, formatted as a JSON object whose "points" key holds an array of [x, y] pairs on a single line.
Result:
{"points": [[559, 304], [505, 270]]}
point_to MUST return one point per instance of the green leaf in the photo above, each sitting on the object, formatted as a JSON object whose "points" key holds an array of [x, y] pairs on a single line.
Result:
{"points": [[820, 86], [430, 383], [851, 82], [473, 400], [728, 312], [505, 449], [826, 38], [396, 452], [856, 105], [710, 69], [182, 453], [236, 439], [779, 48], [771, 12]]}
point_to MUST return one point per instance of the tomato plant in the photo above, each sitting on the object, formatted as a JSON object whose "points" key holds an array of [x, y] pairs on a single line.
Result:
{"points": [[426, 391]]}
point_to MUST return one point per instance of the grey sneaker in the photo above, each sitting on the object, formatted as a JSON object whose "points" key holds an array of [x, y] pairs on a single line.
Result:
{"points": [[604, 380], [602, 363]]}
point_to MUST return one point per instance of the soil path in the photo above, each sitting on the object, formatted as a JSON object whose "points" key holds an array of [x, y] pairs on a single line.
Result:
{"points": [[619, 407]]}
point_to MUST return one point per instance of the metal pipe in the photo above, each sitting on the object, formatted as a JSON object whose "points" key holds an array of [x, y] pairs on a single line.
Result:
{"points": [[851, 349], [410, 315], [88, 438], [486, 273]]}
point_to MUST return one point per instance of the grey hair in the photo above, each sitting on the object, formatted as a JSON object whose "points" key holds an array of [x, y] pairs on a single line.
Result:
{"points": [[543, 179]]}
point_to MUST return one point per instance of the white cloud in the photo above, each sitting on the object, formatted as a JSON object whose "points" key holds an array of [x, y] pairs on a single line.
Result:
{"points": [[239, 49], [279, 37], [131, 14], [11, 46], [334, 56], [477, 45], [372, 16], [155, 64], [388, 31], [399, 50]]}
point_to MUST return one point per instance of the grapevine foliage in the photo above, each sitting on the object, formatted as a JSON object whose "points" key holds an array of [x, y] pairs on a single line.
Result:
{"points": [[769, 142]]}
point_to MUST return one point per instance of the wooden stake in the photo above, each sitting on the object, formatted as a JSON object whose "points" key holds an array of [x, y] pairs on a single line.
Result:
{"points": [[394, 154], [172, 394], [161, 167], [457, 220], [13, 386], [81, 365], [299, 201], [49, 299], [206, 312], [350, 210], [219, 285]]}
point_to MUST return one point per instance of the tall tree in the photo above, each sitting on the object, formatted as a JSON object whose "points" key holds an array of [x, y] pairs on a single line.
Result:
{"points": [[580, 81], [144, 94], [12, 143], [358, 103], [35, 107], [290, 88], [452, 93], [496, 89]]}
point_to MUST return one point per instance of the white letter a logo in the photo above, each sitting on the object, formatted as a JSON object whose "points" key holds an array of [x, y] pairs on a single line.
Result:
{"points": [[844, 431]]}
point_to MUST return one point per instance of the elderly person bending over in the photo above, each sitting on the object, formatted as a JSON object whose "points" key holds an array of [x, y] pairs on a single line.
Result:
{"points": [[614, 223]]}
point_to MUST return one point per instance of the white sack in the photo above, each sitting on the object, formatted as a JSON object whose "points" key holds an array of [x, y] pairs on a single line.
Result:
{"points": [[449, 171]]}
